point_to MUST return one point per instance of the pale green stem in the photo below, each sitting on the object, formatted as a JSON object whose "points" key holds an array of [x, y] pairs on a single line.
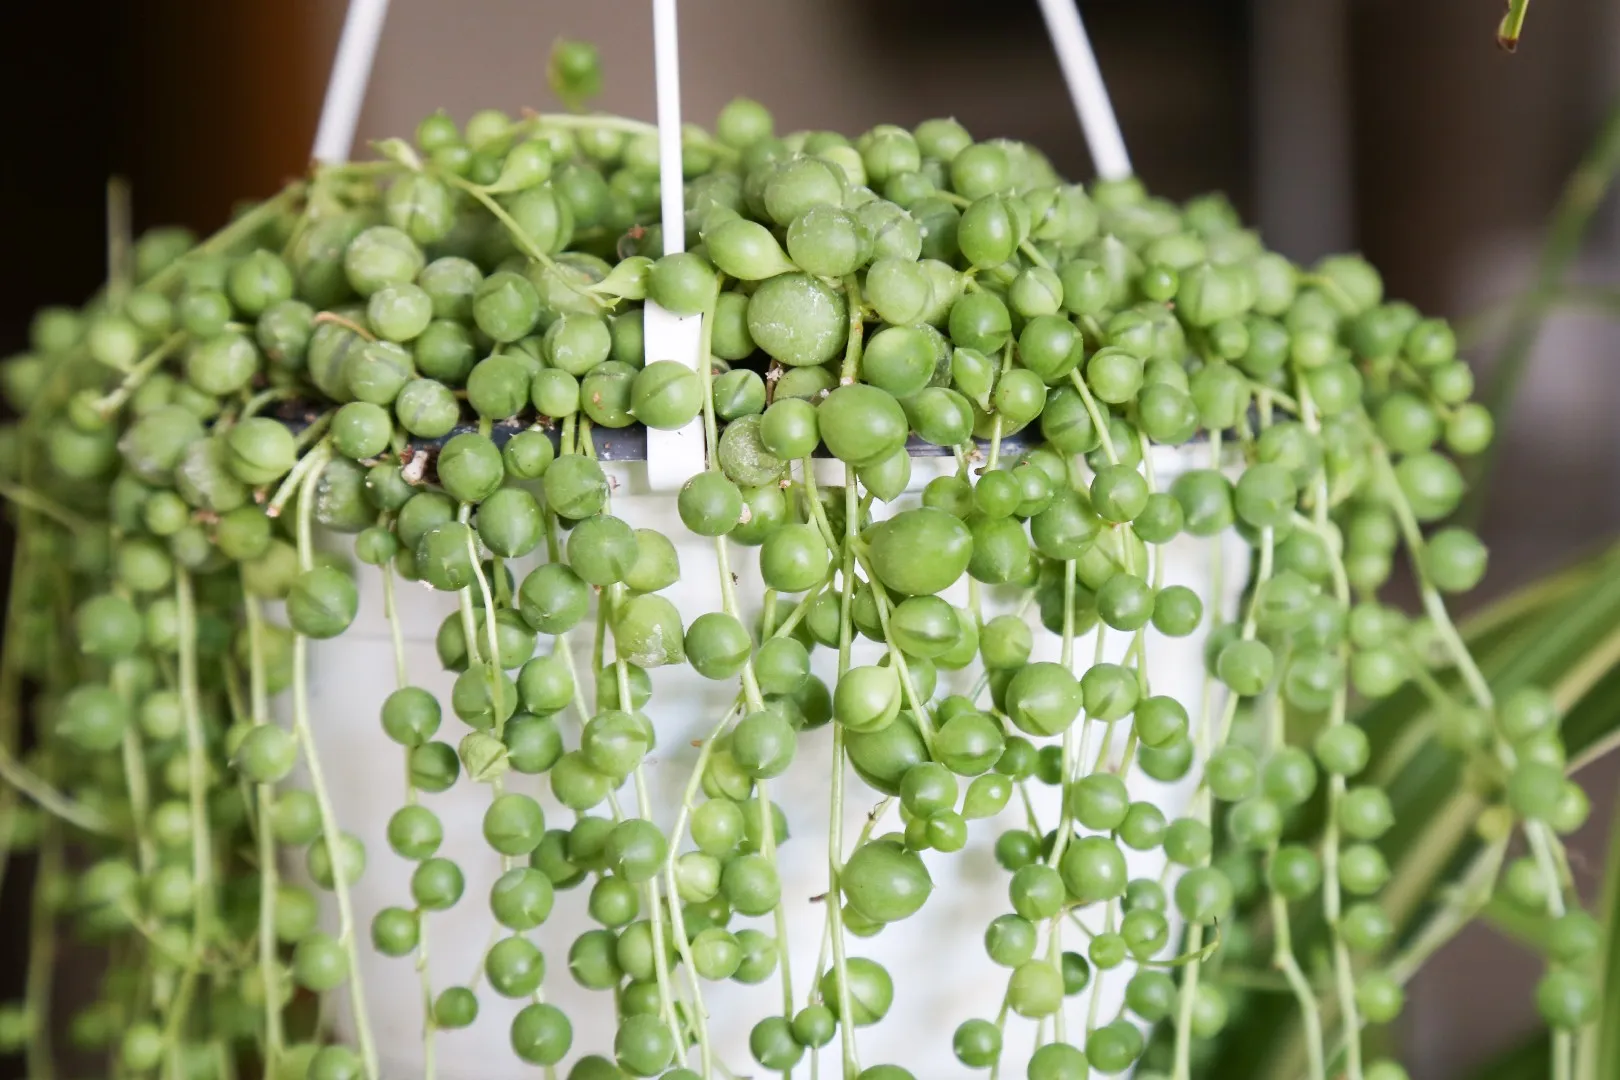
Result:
{"points": [[331, 834], [1098, 420], [814, 994], [1285, 961], [750, 684], [700, 1014], [997, 425], [10, 692], [242, 228], [1282, 953], [1155, 551], [1201, 807], [728, 600], [1544, 845], [835, 818], [266, 397], [520, 236], [1094, 1004], [202, 853], [497, 688], [202, 845], [113, 401], [607, 607], [666, 996], [1332, 897], [593, 121], [294, 480], [402, 679], [853, 342], [40, 791], [42, 957], [139, 797], [179, 1012], [1202, 798], [1001, 1027], [1073, 762], [896, 657], [269, 969], [1085, 735], [1029, 252], [29, 499], [1463, 904]]}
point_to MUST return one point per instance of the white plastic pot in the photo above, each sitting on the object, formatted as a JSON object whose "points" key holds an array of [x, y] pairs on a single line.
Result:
{"points": [[937, 958]]}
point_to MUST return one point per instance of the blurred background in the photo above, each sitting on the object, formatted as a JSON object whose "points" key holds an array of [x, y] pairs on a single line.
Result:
{"points": [[1392, 127]]}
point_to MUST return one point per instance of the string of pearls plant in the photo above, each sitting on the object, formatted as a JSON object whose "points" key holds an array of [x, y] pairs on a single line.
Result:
{"points": [[419, 350]]}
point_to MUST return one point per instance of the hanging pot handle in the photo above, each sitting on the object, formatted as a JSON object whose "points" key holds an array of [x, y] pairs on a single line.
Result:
{"points": [[673, 457], [351, 72], [1086, 88]]}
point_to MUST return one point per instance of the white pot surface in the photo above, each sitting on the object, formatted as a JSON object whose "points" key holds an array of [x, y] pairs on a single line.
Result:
{"points": [[937, 958]]}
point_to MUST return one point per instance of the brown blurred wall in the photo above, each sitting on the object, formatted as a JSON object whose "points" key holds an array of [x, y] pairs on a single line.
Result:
{"points": [[197, 104]]}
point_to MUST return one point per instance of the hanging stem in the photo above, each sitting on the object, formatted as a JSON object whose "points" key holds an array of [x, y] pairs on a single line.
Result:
{"points": [[913, 699], [42, 955], [853, 344], [1332, 896], [592, 122], [607, 608], [1282, 952], [267, 397], [331, 835], [10, 710], [1072, 754], [666, 993], [1544, 844], [683, 945], [750, 684], [40, 791], [202, 850], [29, 499], [1202, 805], [243, 228], [138, 374], [1098, 420], [134, 760], [835, 817], [310, 464], [520, 236], [402, 679], [264, 798], [666, 997]]}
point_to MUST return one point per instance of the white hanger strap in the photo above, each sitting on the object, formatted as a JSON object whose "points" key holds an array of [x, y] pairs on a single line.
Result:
{"points": [[673, 457], [1086, 88], [351, 72]]}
